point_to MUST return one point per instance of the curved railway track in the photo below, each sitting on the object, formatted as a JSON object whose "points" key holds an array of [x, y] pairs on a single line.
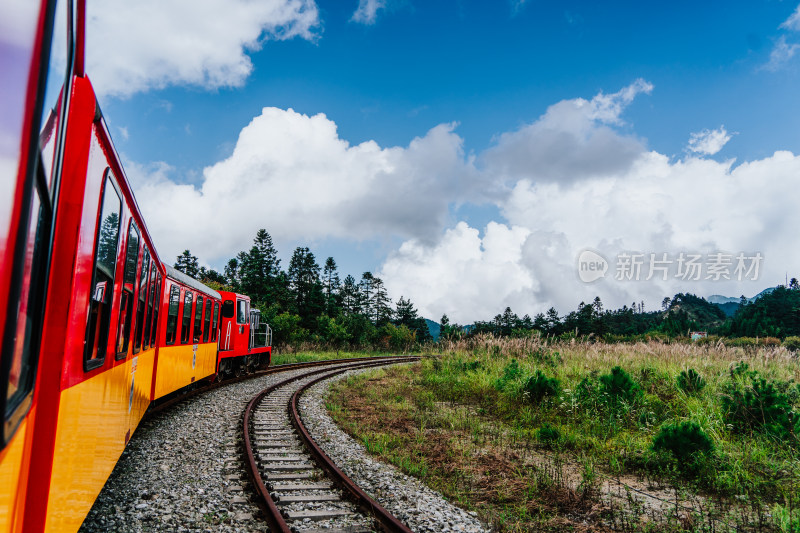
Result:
{"points": [[297, 483]]}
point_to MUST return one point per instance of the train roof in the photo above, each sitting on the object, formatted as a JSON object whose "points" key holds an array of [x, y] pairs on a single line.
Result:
{"points": [[177, 275]]}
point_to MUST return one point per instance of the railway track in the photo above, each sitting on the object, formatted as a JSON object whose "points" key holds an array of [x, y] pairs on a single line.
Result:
{"points": [[299, 487]]}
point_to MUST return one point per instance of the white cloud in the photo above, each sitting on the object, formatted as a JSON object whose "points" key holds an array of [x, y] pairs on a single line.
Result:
{"points": [[573, 140], [708, 142], [781, 53], [462, 273], [292, 174], [367, 11], [137, 46], [793, 22]]}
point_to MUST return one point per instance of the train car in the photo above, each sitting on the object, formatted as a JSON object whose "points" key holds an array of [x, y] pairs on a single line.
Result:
{"points": [[245, 340], [27, 208], [77, 372], [187, 350]]}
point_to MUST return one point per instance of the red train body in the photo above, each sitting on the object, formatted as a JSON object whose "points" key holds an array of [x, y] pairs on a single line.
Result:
{"points": [[95, 327]]}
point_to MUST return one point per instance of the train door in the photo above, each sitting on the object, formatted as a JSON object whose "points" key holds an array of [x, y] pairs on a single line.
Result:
{"points": [[28, 193]]}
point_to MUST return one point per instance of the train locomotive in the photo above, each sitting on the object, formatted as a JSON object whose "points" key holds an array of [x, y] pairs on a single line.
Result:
{"points": [[95, 326]]}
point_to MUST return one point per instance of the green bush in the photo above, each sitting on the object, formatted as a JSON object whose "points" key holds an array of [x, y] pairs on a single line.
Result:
{"points": [[685, 440], [760, 405], [690, 381], [539, 386], [471, 366], [792, 343], [618, 387], [511, 372], [548, 434]]}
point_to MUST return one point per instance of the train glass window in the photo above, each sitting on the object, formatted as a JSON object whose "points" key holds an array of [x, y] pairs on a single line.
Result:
{"points": [[172, 314], [241, 311], [216, 322], [105, 261], [140, 308], [151, 285], [128, 284], [157, 300], [186, 322], [207, 325], [198, 320], [228, 309]]}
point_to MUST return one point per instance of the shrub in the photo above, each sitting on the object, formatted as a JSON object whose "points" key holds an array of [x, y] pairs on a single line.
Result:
{"points": [[472, 366], [539, 386], [548, 434], [753, 403], [685, 440], [792, 343], [619, 387], [771, 341], [690, 381], [511, 372]]}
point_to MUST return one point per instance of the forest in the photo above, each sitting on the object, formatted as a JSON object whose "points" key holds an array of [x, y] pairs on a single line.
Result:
{"points": [[311, 303]]}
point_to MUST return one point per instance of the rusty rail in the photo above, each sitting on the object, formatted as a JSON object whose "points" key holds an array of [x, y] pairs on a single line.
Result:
{"points": [[274, 518]]}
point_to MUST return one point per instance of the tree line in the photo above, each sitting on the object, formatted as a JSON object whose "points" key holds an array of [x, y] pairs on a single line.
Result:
{"points": [[309, 302]]}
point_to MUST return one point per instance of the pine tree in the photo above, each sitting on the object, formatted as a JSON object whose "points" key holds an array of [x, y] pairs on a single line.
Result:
{"points": [[381, 312], [350, 296], [332, 286], [232, 273], [304, 282], [365, 292], [187, 263]]}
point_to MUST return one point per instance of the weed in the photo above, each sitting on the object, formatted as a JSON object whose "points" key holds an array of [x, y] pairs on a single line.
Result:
{"points": [[539, 386], [690, 381], [548, 434], [618, 387], [686, 441]]}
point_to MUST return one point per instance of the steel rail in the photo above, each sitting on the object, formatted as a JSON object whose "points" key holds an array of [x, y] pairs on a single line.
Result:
{"points": [[163, 404], [388, 521], [275, 520]]}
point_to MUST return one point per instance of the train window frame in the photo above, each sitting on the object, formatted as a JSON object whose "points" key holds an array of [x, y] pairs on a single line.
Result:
{"points": [[172, 328], [228, 309], [197, 330], [186, 318], [127, 299], [207, 320], [215, 323], [141, 297], [156, 310], [242, 310], [103, 331], [151, 296]]}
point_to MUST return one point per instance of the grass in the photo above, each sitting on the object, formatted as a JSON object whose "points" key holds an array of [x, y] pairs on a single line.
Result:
{"points": [[469, 425], [316, 355]]}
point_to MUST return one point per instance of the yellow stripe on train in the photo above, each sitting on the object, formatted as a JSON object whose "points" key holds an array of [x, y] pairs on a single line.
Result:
{"points": [[179, 366]]}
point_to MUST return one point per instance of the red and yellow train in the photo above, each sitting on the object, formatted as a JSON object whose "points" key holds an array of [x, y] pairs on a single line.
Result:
{"points": [[95, 327]]}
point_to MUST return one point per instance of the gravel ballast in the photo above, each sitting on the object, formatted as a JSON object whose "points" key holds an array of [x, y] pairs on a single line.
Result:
{"points": [[183, 471]]}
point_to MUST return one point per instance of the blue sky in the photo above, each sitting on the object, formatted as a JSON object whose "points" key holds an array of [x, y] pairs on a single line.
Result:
{"points": [[482, 87]]}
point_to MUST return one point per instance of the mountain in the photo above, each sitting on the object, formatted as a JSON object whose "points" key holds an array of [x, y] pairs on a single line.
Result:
{"points": [[434, 329], [730, 305]]}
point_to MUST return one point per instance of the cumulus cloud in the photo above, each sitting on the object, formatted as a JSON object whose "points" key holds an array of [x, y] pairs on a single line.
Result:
{"points": [[693, 206], [793, 22], [573, 140], [367, 11], [292, 173], [463, 272], [136, 46], [708, 142]]}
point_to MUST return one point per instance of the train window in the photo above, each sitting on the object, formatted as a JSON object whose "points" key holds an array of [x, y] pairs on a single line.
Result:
{"points": [[241, 311], [105, 261], [128, 285], [216, 322], [172, 314], [228, 309], [186, 322], [157, 300], [198, 320], [140, 309], [207, 326], [148, 320]]}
